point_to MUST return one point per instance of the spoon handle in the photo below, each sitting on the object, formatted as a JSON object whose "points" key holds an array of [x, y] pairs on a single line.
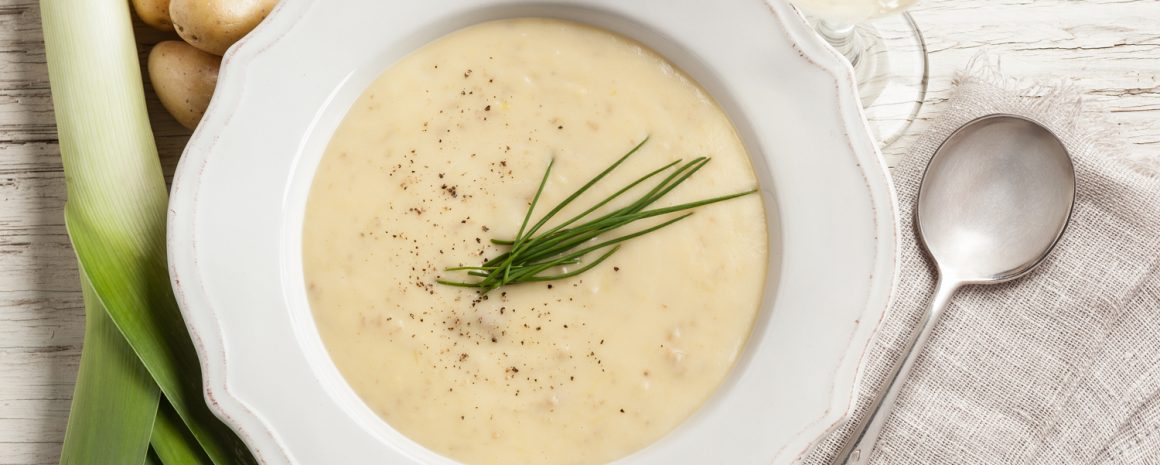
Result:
{"points": [[857, 452]]}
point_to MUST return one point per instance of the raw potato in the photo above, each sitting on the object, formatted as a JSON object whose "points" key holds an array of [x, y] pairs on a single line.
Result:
{"points": [[214, 25], [184, 78], [154, 13]]}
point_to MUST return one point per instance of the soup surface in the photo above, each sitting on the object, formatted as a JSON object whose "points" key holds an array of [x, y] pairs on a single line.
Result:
{"points": [[443, 152]]}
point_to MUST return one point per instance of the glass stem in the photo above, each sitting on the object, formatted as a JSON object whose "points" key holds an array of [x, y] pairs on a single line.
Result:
{"points": [[844, 38]]}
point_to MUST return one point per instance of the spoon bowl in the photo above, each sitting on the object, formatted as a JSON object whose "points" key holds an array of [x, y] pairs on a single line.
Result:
{"points": [[994, 200]]}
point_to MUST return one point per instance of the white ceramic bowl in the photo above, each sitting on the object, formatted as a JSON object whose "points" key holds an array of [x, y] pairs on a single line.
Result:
{"points": [[241, 188]]}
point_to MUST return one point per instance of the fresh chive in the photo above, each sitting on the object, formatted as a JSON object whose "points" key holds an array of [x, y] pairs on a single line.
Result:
{"points": [[520, 235], [574, 272], [586, 186], [532, 253]]}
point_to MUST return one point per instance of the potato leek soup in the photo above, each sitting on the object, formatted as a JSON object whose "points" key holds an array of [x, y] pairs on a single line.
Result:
{"points": [[437, 165]]}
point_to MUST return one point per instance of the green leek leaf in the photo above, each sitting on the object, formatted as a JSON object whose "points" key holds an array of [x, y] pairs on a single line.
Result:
{"points": [[152, 459], [114, 401], [172, 441]]}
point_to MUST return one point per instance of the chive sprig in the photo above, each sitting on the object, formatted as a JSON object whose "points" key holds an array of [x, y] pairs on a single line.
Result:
{"points": [[532, 255]]}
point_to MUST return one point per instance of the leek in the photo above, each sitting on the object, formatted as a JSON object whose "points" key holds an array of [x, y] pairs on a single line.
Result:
{"points": [[172, 441], [116, 220], [115, 400]]}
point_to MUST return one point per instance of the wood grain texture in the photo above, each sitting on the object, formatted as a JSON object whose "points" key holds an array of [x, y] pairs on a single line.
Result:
{"points": [[41, 312], [1109, 49]]}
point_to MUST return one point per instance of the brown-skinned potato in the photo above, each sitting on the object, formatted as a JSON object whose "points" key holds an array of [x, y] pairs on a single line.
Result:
{"points": [[184, 79], [154, 13], [214, 25]]}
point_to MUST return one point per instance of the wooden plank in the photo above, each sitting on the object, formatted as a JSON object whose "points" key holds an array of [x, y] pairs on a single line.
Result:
{"points": [[1108, 49]]}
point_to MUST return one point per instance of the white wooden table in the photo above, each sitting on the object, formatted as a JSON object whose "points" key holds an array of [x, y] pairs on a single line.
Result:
{"points": [[1110, 49]]}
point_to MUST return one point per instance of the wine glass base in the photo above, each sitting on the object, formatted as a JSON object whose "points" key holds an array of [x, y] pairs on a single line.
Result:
{"points": [[890, 65]]}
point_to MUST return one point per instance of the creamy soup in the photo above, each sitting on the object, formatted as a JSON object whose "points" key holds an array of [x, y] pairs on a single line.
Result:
{"points": [[443, 152]]}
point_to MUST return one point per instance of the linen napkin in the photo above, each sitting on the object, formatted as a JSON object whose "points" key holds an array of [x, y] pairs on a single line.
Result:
{"points": [[1059, 367]]}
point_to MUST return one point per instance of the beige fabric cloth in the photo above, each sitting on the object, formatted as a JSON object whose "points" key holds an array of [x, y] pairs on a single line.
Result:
{"points": [[1060, 367]]}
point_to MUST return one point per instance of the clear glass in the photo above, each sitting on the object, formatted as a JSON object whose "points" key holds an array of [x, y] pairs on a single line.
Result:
{"points": [[887, 52]]}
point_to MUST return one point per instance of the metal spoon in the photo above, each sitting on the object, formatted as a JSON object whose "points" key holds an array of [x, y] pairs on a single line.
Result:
{"points": [[994, 200]]}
